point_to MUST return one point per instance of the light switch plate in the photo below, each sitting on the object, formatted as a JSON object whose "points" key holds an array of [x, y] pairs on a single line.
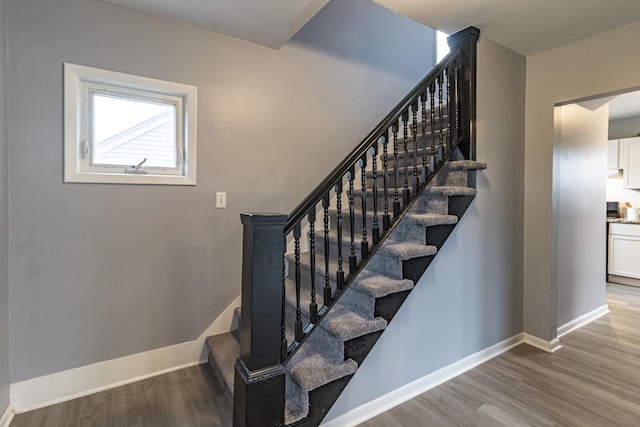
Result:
{"points": [[221, 200]]}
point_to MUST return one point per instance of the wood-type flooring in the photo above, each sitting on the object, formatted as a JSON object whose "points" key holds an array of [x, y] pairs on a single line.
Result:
{"points": [[593, 380]]}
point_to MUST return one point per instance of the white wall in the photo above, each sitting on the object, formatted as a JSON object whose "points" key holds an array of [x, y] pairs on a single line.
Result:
{"points": [[617, 193], [4, 231], [471, 296], [596, 65], [580, 173], [102, 271]]}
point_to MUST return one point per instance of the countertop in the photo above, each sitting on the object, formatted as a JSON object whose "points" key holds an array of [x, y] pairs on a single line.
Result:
{"points": [[622, 221]]}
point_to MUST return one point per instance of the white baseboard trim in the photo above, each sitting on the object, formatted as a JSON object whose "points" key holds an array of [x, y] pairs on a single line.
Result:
{"points": [[78, 382], [539, 343], [7, 417], [396, 397], [583, 320]]}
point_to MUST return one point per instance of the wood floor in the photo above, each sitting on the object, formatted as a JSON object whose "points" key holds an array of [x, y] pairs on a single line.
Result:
{"points": [[188, 397], [593, 380]]}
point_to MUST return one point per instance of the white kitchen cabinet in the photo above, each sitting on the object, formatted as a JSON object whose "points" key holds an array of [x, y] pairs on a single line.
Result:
{"points": [[631, 158], [624, 250], [614, 155]]}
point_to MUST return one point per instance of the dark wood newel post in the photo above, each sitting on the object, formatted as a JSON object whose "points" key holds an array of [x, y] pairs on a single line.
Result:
{"points": [[467, 40], [258, 397]]}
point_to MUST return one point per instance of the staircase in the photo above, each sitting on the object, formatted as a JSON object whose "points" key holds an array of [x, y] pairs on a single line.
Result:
{"points": [[353, 251]]}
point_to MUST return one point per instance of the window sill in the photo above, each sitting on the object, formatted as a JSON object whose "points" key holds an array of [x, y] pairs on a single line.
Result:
{"points": [[126, 178]]}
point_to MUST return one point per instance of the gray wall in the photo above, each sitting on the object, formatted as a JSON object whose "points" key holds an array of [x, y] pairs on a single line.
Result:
{"points": [[624, 128], [554, 77], [102, 271], [471, 296], [580, 176], [4, 231]]}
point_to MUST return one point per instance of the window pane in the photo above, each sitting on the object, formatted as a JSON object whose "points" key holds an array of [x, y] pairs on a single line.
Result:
{"points": [[128, 130], [442, 47]]}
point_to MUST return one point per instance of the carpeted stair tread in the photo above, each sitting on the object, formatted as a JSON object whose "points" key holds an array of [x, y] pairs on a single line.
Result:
{"points": [[429, 219], [315, 371], [350, 325], [464, 165], [408, 250], [224, 349], [451, 191], [378, 286]]}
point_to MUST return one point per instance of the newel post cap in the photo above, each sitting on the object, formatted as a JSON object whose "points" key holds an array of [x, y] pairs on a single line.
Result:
{"points": [[455, 40]]}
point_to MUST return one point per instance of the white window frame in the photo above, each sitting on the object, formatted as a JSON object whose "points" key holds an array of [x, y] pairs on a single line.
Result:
{"points": [[79, 84]]}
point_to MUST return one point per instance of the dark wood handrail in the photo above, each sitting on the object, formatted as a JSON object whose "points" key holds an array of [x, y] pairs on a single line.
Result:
{"points": [[325, 186]]}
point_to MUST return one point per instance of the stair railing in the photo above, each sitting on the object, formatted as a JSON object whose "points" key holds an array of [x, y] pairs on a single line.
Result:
{"points": [[364, 197]]}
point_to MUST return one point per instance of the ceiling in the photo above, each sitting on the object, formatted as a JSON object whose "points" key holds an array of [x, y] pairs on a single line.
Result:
{"points": [[625, 105], [525, 26], [269, 23]]}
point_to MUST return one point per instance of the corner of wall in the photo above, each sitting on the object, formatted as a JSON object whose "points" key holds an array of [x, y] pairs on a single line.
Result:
{"points": [[4, 228]]}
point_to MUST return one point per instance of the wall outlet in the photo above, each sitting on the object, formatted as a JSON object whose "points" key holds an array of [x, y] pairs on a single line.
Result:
{"points": [[221, 200]]}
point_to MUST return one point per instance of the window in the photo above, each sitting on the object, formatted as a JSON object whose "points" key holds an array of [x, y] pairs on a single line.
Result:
{"points": [[128, 129], [442, 47]]}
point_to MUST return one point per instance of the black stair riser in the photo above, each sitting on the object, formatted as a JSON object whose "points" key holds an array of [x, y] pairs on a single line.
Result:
{"points": [[321, 400], [358, 348], [387, 306], [414, 268], [458, 205], [436, 235]]}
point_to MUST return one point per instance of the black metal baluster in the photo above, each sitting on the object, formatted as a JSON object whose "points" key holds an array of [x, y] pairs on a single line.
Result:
{"points": [[414, 130], [296, 238], [405, 126], [440, 119], [364, 245], [386, 219], [375, 230], [433, 126], [283, 322], [423, 100], [340, 272], [313, 306], [352, 219], [327, 284], [396, 198], [449, 142], [456, 82]]}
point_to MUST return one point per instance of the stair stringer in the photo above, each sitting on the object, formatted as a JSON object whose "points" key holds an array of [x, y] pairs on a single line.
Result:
{"points": [[458, 200], [436, 210]]}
